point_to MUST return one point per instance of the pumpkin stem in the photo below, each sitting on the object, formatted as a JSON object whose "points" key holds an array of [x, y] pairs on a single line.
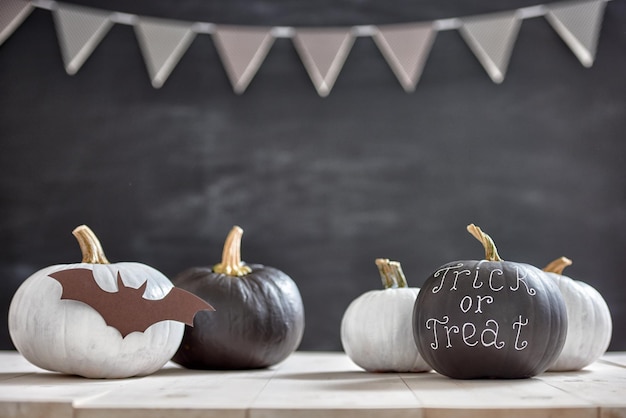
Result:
{"points": [[231, 255], [391, 273], [89, 245], [557, 266], [491, 253]]}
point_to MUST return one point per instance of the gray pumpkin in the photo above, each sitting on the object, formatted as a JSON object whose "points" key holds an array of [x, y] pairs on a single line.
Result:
{"points": [[489, 318], [258, 319]]}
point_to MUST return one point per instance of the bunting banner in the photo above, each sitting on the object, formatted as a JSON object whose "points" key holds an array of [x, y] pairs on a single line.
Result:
{"points": [[578, 24], [12, 14], [323, 51], [492, 38], [242, 50], [79, 30], [405, 47], [163, 43]]}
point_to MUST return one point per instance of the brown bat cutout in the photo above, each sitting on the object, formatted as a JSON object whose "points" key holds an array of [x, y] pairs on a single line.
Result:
{"points": [[127, 310]]}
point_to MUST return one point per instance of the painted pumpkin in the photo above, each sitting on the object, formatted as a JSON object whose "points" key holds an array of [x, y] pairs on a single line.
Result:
{"points": [[71, 337], [259, 317], [589, 320], [376, 330], [489, 318]]}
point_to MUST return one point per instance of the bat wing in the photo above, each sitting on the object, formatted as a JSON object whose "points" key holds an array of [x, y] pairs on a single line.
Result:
{"points": [[79, 284], [115, 308], [127, 310], [178, 305]]}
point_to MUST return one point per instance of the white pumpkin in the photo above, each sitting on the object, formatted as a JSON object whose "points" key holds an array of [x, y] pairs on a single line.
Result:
{"points": [[589, 326], [376, 328], [71, 337]]}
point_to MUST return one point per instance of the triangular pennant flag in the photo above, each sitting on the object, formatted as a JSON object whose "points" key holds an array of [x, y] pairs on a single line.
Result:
{"points": [[12, 14], [323, 53], [80, 30], [491, 38], [242, 50], [163, 43], [405, 47], [578, 24]]}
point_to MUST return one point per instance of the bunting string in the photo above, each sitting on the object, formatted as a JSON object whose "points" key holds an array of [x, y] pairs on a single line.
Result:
{"points": [[323, 51]]}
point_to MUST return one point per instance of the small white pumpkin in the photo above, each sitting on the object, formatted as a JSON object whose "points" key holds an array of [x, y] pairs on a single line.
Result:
{"points": [[589, 326], [70, 337], [376, 328]]}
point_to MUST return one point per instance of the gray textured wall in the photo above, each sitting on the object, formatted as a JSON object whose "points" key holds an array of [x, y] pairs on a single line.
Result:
{"points": [[321, 186]]}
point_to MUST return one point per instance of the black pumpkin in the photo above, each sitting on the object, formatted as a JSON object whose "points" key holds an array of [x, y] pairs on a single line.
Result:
{"points": [[489, 318], [258, 319]]}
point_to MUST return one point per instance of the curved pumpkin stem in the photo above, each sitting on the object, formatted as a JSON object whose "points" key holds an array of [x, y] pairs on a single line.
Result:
{"points": [[391, 273], [90, 246], [491, 252], [557, 266], [231, 255]]}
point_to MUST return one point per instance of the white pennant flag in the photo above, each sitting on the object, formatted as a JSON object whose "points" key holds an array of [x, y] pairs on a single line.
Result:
{"points": [[163, 43], [323, 53], [491, 38], [578, 24], [80, 30], [242, 50], [405, 48], [12, 14]]}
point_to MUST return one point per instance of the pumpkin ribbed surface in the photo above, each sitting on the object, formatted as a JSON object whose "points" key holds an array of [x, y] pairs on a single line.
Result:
{"points": [[376, 331], [258, 319], [70, 337]]}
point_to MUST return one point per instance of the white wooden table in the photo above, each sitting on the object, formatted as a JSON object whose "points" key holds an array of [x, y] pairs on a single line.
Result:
{"points": [[310, 384]]}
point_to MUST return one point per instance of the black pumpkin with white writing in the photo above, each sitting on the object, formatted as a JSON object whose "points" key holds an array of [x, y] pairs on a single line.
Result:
{"points": [[489, 318]]}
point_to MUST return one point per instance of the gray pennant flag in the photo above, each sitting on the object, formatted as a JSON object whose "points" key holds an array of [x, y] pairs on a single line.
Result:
{"points": [[323, 53], [163, 43], [80, 30], [491, 37], [242, 50], [578, 24], [12, 14], [405, 48]]}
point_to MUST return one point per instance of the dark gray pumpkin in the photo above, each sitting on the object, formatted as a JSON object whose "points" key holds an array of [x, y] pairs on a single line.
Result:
{"points": [[258, 319], [489, 318]]}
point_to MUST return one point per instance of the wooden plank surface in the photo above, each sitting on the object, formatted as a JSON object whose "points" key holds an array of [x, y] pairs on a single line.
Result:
{"points": [[618, 358], [330, 385], [309, 385], [175, 392], [443, 397], [45, 394], [12, 365], [602, 384]]}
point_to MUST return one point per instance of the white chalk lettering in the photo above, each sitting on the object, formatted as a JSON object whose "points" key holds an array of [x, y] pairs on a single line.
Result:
{"points": [[443, 272], [448, 330], [467, 306], [469, 331], [466, 303], [500, 273], [476, 278], [434, 345], [467, 337], [494, 333], [487, 298], [519, 324], [520, 279], [472, 336], [456, 277]]}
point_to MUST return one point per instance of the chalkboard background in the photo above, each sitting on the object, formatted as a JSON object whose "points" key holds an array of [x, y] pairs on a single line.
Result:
{"points": [[321, 186]]}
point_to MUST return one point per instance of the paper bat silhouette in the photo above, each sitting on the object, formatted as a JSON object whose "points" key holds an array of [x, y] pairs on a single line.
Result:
{"points": [[127, 310]]}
